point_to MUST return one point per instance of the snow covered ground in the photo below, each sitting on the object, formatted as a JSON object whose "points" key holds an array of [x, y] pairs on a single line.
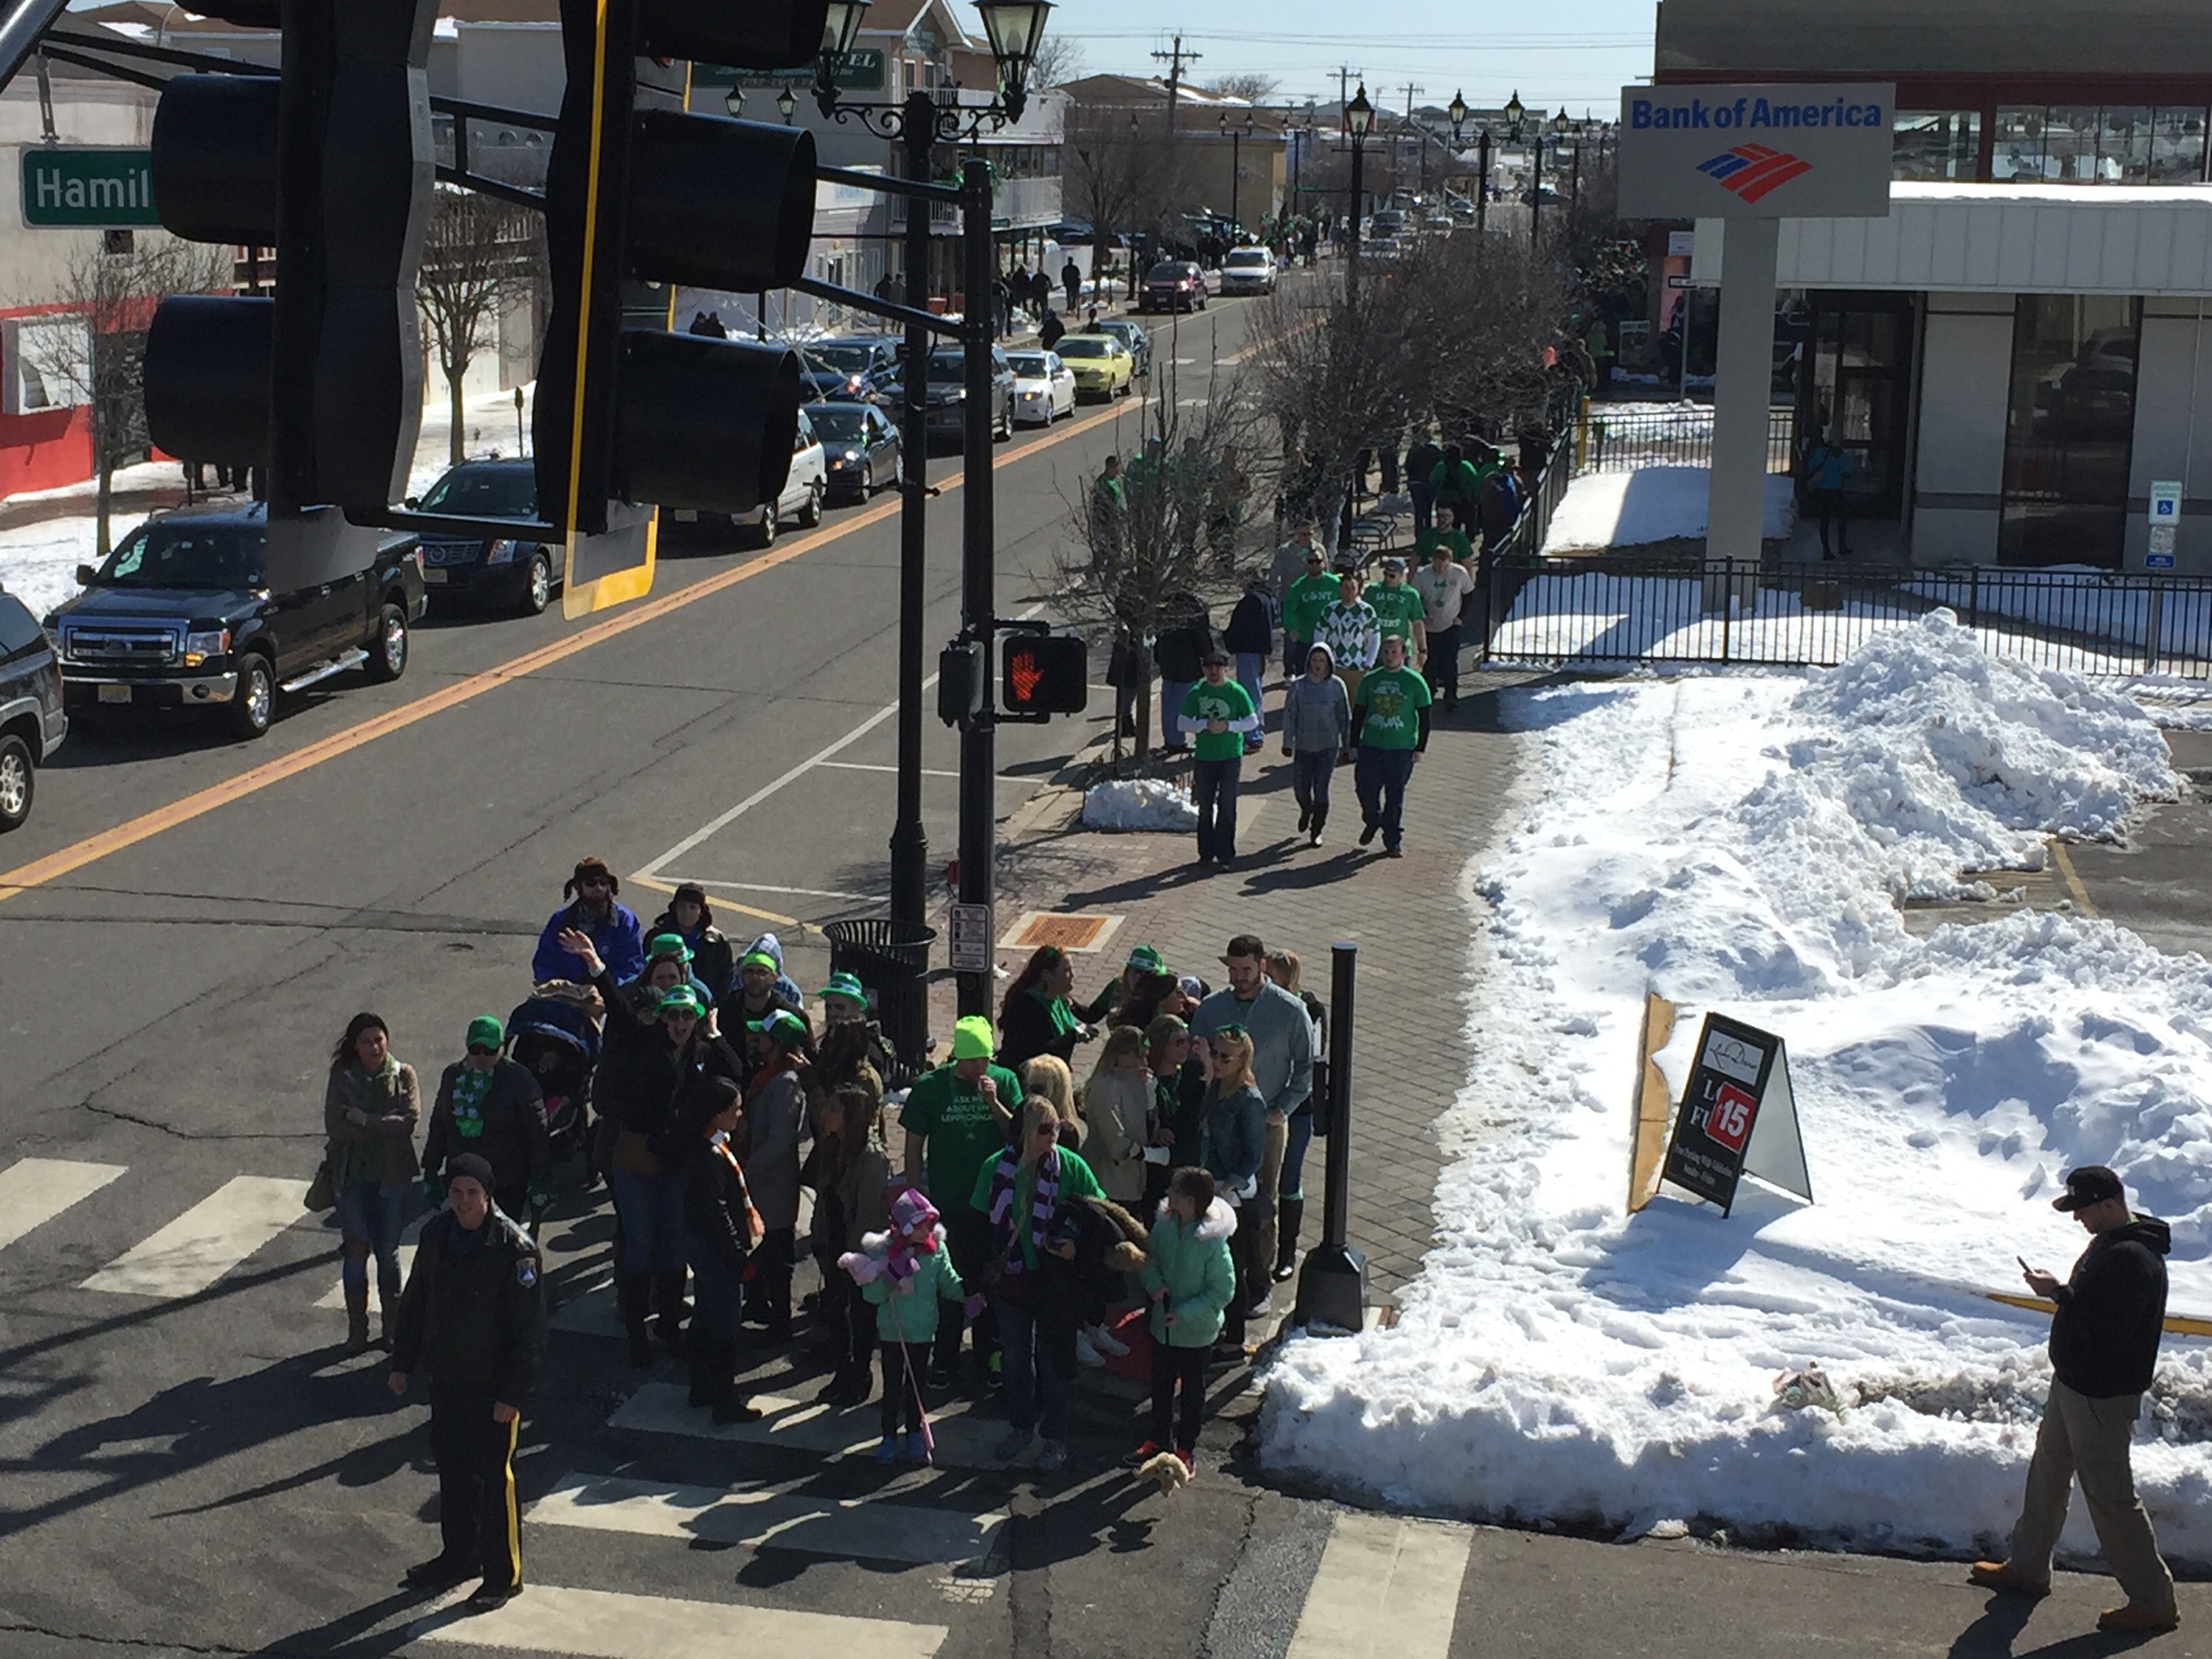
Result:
{"points": [[1733, 842], [1139, 804], [1603, 510]]}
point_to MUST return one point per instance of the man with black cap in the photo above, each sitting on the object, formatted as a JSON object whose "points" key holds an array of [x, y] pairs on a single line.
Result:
{"points": [[1220, 716], [474, 1311], [2103, 1345]]}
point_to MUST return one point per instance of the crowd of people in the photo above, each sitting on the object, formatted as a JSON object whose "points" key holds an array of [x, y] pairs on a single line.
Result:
{"points": [[1020, 1223]]}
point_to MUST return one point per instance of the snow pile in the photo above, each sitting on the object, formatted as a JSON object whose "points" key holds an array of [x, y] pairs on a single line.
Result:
{"points": [[39, 562], [1138, 804], [1732, 843], [1650, 504]]}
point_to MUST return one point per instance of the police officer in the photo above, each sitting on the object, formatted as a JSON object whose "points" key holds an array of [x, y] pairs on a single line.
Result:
{"points": [[474, 1310]]}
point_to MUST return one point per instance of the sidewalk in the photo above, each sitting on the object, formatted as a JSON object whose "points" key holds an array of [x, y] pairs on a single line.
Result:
{"points": [[1411, 1051]]}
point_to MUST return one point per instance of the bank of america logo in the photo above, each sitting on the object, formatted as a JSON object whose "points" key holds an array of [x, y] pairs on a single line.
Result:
{"points": [[1751, 171]]}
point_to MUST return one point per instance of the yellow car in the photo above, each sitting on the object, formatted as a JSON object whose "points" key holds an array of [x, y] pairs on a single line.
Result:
{"points": [[1103, 365]]}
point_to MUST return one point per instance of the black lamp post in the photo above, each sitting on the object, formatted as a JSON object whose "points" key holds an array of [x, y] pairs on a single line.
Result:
{"points": [[1358, 119], [1560, 128], [919, 125], [1236, 136]]}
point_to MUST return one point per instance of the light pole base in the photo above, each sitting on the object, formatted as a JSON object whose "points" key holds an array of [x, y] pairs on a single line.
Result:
{"points": [[1331, 1289]]}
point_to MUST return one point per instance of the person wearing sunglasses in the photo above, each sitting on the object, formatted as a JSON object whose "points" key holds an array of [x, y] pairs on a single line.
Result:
{"points": [[490, 1106], [592, 908], [1235, 1141]]}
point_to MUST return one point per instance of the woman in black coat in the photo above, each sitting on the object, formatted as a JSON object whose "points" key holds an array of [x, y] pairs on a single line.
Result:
{"points": [[719, 1234], [1037, 1018]]}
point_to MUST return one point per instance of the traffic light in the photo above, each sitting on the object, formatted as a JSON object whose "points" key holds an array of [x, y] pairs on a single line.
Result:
{"points": [[963, 677], [1043, 675], [631, 418], [330, 164]]}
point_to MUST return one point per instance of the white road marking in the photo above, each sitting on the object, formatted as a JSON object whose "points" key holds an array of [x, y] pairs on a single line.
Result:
{"points": [[1386, 1585], [871, 766], [605, 1624], [34, 1190], [207, 1241], [760, 887], [335, 1297], [962, 1442], [851, 1528]]}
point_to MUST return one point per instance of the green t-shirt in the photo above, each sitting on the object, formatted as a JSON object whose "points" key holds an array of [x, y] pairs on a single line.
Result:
{"points": [[1394, 698], [962, 1130], [1397, 608], [1455, 538], [1302, 607], [1227, 702]]}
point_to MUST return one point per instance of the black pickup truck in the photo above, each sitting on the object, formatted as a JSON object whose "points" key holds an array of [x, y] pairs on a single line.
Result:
{"points": [[178, 616]]}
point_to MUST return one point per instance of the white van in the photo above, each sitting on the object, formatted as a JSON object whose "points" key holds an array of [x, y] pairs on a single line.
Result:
{"points": [[1249, 270]]}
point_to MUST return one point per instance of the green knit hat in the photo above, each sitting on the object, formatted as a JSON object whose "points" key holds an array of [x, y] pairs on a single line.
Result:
{"points": [[485, 1032], [667, 944], [972, 1038]]}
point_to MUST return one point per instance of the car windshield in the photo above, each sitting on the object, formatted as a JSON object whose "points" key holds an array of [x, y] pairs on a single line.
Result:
{"points": [[845, 359], [841, 423], [1252, 256], [485, 492], [187, 555], [948, 366], [1120, 331], [1028, 365], [1169, 273], [1076, 346]]}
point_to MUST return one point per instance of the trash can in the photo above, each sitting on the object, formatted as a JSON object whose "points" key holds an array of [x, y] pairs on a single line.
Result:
{"points": [[890, 959]]}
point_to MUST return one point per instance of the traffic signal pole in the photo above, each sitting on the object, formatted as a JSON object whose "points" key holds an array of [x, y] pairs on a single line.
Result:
{"points": [[909, 839], [978, 600]]}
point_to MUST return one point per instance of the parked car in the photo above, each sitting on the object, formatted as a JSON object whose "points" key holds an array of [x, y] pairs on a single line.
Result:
{"points": [[31, 722], [856, 368], [1044, 386], [1389, 221], [804, 490], [1131, 334], [1101, 363], [1249, 270], [178, 616], [514, 572], [946, 399], [860, 447], [1174, 285]]}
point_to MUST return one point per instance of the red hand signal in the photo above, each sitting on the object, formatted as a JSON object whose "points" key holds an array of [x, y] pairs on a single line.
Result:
{"points": [[1023, 674]]}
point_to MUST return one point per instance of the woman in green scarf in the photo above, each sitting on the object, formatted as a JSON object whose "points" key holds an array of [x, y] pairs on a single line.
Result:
{"points": [[370, 1109]]}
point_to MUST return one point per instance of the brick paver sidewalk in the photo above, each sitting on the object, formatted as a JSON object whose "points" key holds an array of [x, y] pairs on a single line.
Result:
{"points": [[1414, 931]]}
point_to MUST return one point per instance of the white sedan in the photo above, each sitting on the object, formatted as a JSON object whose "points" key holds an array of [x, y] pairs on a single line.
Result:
{"points": [[1044, 387]]}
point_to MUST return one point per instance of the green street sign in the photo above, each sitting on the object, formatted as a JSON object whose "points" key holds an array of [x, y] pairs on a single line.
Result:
{"points": [[865, 73], [87, 189]]}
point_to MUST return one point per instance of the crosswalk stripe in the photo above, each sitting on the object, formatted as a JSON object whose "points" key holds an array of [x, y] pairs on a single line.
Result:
{"points": [[335, 1297], [807, 1425], [35, 1190], [1386, 1585], [207, 1241], [852, 1529], [607, 1624]]}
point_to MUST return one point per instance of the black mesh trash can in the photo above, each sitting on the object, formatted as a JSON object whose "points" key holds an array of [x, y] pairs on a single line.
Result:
{"points": [[890, 958]]}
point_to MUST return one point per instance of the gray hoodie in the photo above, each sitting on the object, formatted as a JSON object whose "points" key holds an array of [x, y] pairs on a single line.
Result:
{"points": [[1317, 714]]}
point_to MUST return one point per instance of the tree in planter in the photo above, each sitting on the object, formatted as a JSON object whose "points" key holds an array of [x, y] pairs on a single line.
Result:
{"points": [[112, 289], [1133, 561], [481, 257]]}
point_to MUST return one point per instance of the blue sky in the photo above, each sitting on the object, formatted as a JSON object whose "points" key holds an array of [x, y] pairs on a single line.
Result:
{"points": [[1577, 51]]}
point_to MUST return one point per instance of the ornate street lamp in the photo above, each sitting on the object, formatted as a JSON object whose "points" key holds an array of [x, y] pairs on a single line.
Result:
{"points": [[1515, 112], [1015, 28], [734, 101], [786, 104], [1236, 136], [1457, 111], [1358, 120]]}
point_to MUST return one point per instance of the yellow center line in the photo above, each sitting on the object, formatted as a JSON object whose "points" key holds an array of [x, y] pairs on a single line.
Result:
{"points": [[91, 848], [2066, 871]]}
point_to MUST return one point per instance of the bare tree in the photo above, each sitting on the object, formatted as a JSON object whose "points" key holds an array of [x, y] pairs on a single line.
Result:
{"points": [[480, 258], [1252, 88], [112, 289], [1059, 59], [1124, 173]]}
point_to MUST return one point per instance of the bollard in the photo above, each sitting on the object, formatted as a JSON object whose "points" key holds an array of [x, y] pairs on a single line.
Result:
{"points": [[1333, 1283]]}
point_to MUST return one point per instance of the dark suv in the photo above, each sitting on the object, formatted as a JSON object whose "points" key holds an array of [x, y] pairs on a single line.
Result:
{"points": [[1174, 285], [178, 616], [32, 723], [503, 570], [946, 397]]}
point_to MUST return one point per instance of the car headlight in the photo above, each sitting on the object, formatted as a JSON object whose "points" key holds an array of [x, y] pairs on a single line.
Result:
{"points": [[852, 455], [501, 552], [200, 646]]}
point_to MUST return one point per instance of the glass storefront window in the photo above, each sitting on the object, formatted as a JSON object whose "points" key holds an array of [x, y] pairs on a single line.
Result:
{"points": [[2084, 144], [2017, 151], [2069, 429], [2176, 146], [1935, 144]]}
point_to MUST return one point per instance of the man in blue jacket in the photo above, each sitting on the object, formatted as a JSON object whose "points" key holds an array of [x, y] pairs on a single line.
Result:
{"points": [[592, 910]]}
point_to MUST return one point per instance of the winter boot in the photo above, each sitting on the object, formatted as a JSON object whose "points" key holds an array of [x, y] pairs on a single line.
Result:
{"points": [[385, 1307], [700, 1361], [730, 1405], [668, 1310], [634, 1297], [356, 1302], [1293, 1214]]}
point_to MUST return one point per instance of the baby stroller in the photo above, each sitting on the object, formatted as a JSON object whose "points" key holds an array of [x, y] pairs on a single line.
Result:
{"points": [[554, 1035]]}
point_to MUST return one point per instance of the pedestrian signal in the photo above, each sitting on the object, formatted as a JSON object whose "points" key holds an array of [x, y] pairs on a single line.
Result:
{"points": [[1044, 675]]}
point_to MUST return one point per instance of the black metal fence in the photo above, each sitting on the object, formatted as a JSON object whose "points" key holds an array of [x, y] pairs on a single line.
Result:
{"points": [[1610, 438], [1624, 610]]}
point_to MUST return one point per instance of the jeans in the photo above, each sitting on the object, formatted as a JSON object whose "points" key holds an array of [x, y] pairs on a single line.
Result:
{"points": [[1381, 776], [1251, 670], [1172, 1365], [968, 1237], [651, 1210], [1172, 692], [1214, 786], [1038, 1367], [1295, 653], [1441, 668], [716, 1297], [1310, 772], [1292, 1182], [372, 1213], [772, 1261], [903, 1365], [2088, 1438], [1424, 503]]}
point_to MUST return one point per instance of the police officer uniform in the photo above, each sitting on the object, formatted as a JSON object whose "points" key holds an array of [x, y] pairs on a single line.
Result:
{"points": [[474, 1313]]}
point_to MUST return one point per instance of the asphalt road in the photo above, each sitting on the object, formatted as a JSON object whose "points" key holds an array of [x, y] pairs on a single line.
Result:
{"points": [[189, 1467]]}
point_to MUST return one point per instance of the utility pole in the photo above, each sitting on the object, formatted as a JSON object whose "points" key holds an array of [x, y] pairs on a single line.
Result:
{"points": [[1174, 60]]}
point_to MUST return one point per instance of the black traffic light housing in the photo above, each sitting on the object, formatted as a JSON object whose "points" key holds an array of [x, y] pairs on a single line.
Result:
{"points": [[964, 681], [1043, 674]]}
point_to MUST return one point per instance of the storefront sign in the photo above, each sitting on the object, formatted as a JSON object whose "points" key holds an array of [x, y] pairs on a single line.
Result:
{"points": [[87, 189], [1756, 152], [1738, 1117], [863, 72]]}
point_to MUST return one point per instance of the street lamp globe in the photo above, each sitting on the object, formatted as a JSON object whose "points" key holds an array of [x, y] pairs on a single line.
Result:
{"points": [[841, 26], [786, 103], [1358, 114], [1014, 28], [1457, 111], [1515, 112], [734, 101], [1560, 124]]}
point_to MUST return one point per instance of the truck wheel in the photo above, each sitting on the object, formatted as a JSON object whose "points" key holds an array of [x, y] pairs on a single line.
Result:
{"points": [[387, 652], [764, 528], [537, 587], [255, 705], [810, 514], [18, 782]]}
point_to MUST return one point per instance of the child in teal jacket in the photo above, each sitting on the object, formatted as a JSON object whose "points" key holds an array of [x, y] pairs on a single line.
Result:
{"points": [[906, 1271], [1191, 1278]]}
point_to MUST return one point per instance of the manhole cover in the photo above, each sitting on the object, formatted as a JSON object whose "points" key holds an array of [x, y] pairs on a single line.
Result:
{"points": [[1077, 932]]}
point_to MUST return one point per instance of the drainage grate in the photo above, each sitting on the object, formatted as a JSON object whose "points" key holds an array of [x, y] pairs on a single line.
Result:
{"points": [[1077, 932]]}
